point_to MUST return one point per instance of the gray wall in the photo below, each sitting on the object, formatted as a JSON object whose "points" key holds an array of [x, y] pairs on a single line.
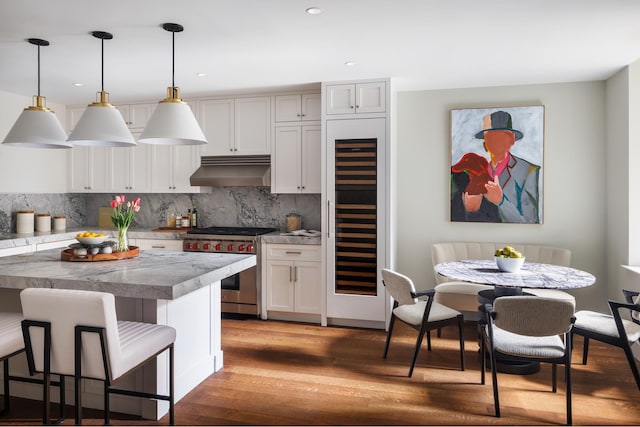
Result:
{"points": [[574, 177]]}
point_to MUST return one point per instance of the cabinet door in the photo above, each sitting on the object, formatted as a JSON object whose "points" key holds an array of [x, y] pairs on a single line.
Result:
{"points": [[216, 117], [79, 181], [310, 104], [73, 117], [341, 99], [308, 289], [186, 160], [288, 108], [280, 288], [162, 167], [370, 97], [253, 125], [311, 174], [139, 115], [286, 160], [139, 168], [120, 171], [89, 170]]}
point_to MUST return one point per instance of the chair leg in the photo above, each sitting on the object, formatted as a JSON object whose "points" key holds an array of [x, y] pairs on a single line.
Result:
{"points": [[483, 360], [428, 340], [632, 363], [461, 337], [171, 388], [106, 403], [386, 345], [554, 377], [5, 408], [494, 379], [585, 350], [567, 376], [416, 351]]}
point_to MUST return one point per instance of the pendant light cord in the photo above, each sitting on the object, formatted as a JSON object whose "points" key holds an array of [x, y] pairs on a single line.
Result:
{"points": [[38, 71], [173, 59], [102, 65]]}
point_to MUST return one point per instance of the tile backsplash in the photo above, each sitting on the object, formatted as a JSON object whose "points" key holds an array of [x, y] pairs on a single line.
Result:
{"points": [[222, 206]]}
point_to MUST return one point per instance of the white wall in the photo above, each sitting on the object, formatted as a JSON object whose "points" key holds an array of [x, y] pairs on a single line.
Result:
{"points": [[29, 170], [574, 177]]}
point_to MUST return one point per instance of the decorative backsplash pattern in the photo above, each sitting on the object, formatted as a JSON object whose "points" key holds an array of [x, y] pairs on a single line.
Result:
{"points": [[223, 206]]}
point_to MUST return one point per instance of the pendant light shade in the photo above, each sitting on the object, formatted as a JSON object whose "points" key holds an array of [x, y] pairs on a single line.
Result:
{"points": [[173, 122], [37, 126], [101, 124]]}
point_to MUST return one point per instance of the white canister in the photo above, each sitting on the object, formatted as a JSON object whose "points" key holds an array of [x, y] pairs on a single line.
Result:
{"points": [[43, 222], [59, 223], [24, 222]]}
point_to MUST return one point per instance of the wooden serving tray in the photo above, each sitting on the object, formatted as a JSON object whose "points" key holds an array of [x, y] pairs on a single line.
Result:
{"points": [[67, 255]]}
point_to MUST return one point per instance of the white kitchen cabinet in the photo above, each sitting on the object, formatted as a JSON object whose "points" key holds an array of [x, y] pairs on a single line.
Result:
{"points": [[239, 126], [136, 116], [157, 244], [216, 118], [292, 282], [299, 107], [131, 169], [296, 160], [172, 166], [356, 98], [89, 169]]}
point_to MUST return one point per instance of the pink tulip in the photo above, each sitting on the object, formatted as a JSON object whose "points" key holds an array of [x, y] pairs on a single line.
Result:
{"points": [[114, 204], [136, 202], [136, 208], [118, 201], [122, 198]]}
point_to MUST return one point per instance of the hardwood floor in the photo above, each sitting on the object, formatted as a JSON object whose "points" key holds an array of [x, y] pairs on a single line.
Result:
{"points": [[279, 373]]}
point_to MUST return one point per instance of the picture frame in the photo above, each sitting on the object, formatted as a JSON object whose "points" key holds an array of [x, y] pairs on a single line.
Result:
{"points": [[497, 164]]}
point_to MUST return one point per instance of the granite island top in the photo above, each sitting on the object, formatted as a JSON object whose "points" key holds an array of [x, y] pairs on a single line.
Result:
{"points": [[154, 274]]}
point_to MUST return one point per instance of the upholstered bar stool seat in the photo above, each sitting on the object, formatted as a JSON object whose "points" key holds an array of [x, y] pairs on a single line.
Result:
{"points": [[11, 343], [87, 341]]}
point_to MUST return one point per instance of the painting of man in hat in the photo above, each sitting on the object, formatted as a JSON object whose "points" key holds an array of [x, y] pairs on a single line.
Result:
{"points": [[496, 164]]}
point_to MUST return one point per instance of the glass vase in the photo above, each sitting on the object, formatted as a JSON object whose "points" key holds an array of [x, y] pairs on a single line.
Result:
{"points": [[123, 243]]}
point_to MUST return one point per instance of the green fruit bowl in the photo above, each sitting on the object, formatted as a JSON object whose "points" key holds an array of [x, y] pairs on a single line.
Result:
{"points": [[509, 265]]}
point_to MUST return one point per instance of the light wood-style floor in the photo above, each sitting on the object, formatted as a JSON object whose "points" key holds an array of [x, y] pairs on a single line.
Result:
{"points": [[280, 373]]}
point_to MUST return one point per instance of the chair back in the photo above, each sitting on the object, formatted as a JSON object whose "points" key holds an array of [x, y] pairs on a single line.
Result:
{"points": [[399, 286], [533, 316], [65, 309]]}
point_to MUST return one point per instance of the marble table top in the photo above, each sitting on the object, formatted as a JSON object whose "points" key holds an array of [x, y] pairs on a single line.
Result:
{"points": [[154, 274], [531, 275]]}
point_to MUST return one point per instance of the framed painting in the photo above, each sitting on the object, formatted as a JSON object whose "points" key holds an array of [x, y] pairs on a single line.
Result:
{"points": [[497, 164]]}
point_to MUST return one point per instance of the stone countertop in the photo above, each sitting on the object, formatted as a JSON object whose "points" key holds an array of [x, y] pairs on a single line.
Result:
{"points": [[152, 275], [278, 237]]}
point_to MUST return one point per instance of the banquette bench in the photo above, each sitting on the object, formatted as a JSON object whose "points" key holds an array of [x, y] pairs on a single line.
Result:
{"points": [[463, 296]]}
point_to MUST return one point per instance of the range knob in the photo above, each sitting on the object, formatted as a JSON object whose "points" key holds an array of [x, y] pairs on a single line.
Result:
{"points": [[249, 248], [206, 246], [187, 245], [230, 247], [195, 246], [218, 247], [241, 248]]}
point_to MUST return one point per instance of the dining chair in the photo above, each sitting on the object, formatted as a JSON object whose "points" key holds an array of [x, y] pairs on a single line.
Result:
{"points": [[531, 329], [411, 308], [76, 332], [612, 328]]}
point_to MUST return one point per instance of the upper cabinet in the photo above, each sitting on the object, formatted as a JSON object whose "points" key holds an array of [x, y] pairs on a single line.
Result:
{"points": [[172, 166], [131, 168], [296, 160], [356, 98], [296, 108], [237, 126], [136, 116]]}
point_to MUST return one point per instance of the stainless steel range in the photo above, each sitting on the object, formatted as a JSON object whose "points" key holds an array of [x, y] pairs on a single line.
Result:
{"points": [[240, 291]]}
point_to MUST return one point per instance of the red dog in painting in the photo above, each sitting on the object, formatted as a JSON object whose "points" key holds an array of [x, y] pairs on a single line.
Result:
{"points": [[476, 168]]}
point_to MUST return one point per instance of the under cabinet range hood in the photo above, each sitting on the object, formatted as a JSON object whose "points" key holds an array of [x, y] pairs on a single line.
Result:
{"points": [[233, 171]]}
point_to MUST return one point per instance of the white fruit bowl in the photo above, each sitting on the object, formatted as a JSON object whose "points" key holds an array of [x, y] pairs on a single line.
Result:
{"points": [[509, 265], [92, 240]]}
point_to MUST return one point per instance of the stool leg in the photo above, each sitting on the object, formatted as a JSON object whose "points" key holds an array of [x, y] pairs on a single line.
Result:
{"points": [[5, 362]]}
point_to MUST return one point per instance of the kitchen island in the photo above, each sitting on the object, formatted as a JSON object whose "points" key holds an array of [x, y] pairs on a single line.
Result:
{"points": [[179, 289]]}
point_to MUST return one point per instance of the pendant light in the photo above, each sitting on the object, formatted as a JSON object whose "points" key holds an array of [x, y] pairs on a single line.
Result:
{"points": [[101, 123], [173, 122], [37, 126]]}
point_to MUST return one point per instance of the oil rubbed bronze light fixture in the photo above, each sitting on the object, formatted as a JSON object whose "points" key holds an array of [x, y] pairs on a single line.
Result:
{"points": [[101, 123], [173, 122], [37, 126]]}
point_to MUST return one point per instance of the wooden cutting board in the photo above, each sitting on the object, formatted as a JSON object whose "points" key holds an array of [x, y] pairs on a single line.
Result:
{"points": [[171, 229]]}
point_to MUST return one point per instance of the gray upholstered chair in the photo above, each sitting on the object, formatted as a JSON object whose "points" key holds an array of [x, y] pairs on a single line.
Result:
{"points": [[72, 332], [422, 315], [532, 329], [613, 329]]}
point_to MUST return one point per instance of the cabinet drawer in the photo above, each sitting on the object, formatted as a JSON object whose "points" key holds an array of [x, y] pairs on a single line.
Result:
{"points": [[160, 244], [293, 252]]}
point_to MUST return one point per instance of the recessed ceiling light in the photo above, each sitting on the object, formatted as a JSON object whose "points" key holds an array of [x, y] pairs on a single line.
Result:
{"points": [[201, 74], [349, 63], [314, 11], [78, 84]]}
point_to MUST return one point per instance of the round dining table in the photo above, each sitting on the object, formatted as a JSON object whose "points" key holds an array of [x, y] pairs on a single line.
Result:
{"points": [[530, 275]]}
